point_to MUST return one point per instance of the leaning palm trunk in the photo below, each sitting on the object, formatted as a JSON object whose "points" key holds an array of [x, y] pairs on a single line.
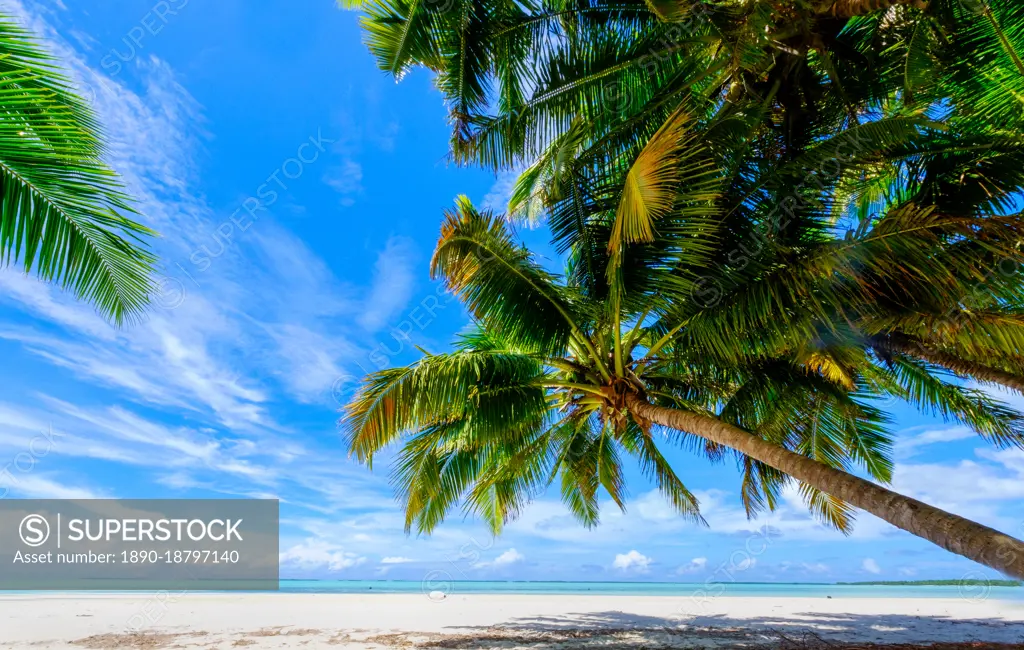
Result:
{"points": [[957, 365], [851, 8], [953, 533]]}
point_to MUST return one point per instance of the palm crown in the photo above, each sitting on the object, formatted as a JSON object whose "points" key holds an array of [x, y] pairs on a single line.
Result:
{"points": [[772, 216], [553, 384]]}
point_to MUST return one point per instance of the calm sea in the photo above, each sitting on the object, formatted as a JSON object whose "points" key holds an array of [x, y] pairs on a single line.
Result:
{"points": [[673, 589]]}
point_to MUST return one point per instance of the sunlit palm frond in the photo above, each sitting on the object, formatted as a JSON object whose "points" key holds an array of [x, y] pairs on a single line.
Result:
{"points": [[498, 389], [63, 210], [650, 187], [501, 284]]}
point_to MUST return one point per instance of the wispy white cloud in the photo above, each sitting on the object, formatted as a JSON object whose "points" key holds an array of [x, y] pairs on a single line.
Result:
{"points": [[307, 362], [159, 363], [909, 446], [314, 554], [119, 435], [41, 486], [393, 281], [871, 566], [746, 563], [498, 196], [511, 556], [346, 179], [634, 561], [815, 568], [182, 481], [361, 126], [507, 558], [696, 565]]}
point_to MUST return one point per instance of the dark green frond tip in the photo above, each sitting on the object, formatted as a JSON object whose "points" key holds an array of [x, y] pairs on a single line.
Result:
{"points": [[63, 209]]}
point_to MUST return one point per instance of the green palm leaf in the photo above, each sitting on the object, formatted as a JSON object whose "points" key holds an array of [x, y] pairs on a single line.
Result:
{"points": [[62, 207]]}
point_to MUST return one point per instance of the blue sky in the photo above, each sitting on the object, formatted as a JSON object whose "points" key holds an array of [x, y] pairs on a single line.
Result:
{"points": [[299, 193]]}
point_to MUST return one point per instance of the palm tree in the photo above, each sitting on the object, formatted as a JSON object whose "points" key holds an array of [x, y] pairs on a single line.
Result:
{"points": [[63, 208], [555, 383], [684, 161], [566, 89]]}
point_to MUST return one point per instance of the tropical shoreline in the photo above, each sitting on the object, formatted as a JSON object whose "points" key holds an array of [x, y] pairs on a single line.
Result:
{"points": [[441, 581], [264, 620]]}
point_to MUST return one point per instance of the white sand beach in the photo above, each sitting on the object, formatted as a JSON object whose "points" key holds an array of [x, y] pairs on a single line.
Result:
{"points": [[494, 621]]}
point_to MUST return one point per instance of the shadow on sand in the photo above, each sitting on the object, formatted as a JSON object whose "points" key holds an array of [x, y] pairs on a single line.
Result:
{"points": [[614, 630]]}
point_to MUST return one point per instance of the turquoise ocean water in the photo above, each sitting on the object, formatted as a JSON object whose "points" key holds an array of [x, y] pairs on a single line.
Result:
{"points": [[678, 590]]}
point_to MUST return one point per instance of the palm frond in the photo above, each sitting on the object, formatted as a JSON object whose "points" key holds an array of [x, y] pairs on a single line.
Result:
{"points": [[63, 210]]}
